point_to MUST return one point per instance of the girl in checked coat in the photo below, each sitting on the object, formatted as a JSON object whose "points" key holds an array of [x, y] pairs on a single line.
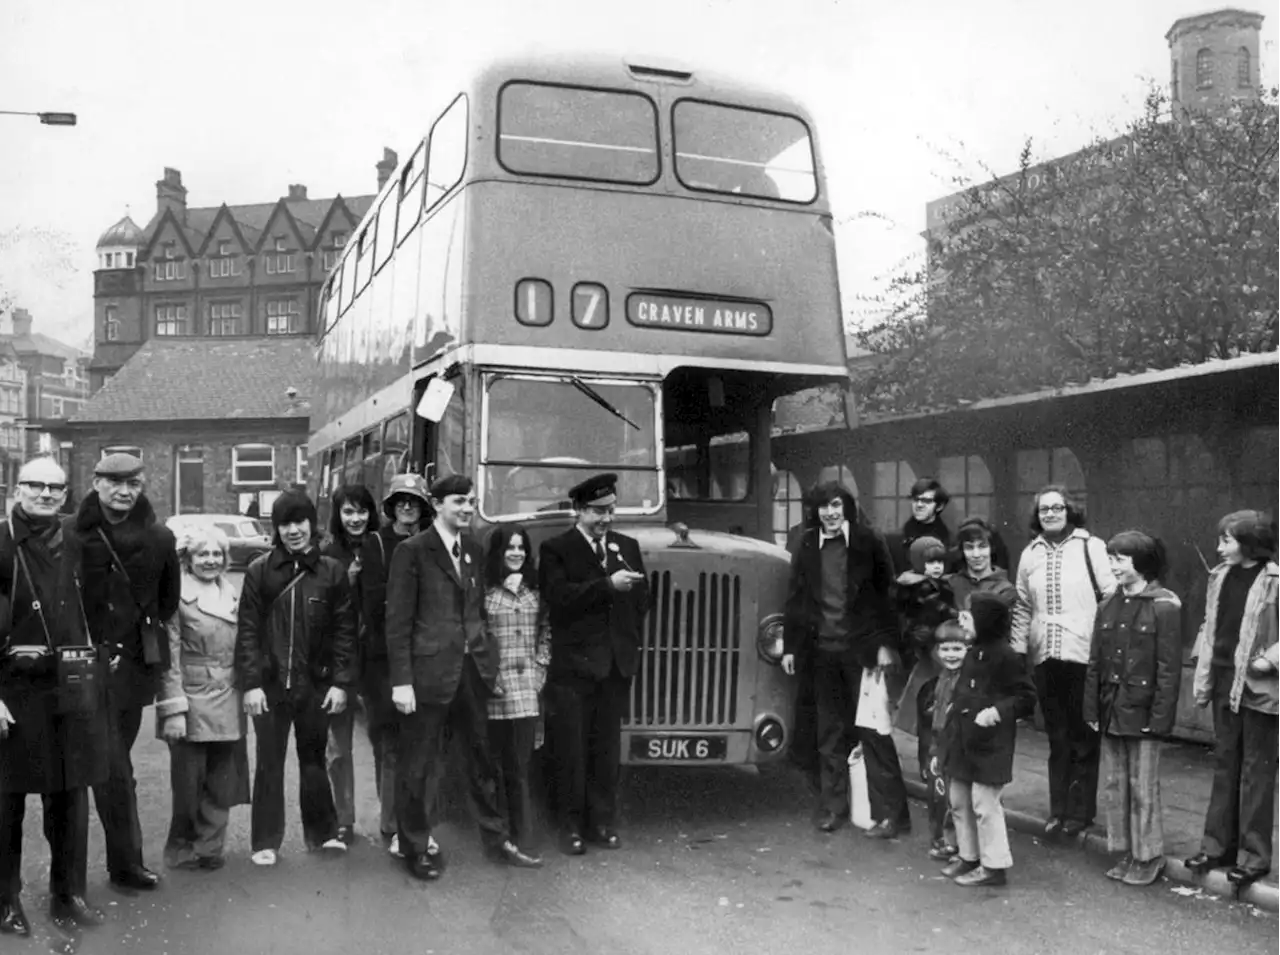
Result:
{"points": [[518, 624]]}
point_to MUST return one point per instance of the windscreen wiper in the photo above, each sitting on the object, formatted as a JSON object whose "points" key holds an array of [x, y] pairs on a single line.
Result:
{"points": [[599, 399]]}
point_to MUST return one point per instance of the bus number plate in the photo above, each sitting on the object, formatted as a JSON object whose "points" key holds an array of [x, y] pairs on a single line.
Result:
{"points": [[678, 748]]}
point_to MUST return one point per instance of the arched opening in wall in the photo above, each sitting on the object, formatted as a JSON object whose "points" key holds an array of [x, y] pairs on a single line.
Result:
{"points": [[968, 480], [1040, 466], [841, 475], [890, 503], [1204, 69], [788, 505]]}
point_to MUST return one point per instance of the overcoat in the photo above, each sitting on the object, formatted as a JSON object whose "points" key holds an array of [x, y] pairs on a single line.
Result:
{"points": [[992, 675], [593, 626], [436, 617], [200, 682], [116, 601], [45, 751]]}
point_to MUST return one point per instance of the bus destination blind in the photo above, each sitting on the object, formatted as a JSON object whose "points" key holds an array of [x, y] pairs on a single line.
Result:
{"points": [[717, 316]]}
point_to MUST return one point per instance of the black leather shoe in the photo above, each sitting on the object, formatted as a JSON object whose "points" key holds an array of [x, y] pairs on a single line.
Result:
{"points": [[1244, 875], [831, 821], [424, 866], [212, 863], [1202, 862], [1053, 827], [138, 877], [346, 834], [958, 867], [884, 829], [512, 854], [74, 909], [13, 921], [981, 876], [1073, 827], [606, 837], [571, 844]]}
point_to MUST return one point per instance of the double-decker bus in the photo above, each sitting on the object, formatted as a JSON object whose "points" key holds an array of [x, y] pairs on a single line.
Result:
{"points": [[594, 265]]}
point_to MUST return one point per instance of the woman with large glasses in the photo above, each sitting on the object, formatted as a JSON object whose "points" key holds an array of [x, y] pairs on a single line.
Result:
{"points": [[1062, 576]]}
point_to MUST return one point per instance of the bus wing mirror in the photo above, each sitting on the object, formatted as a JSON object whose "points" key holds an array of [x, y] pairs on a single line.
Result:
{"points": [[435, 399]]}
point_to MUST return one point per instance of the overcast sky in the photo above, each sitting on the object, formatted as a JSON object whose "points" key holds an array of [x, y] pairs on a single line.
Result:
{"points": [[247, 96]]}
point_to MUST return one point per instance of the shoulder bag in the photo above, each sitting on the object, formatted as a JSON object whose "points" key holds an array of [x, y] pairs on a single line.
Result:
{"points": [[150, 630]]}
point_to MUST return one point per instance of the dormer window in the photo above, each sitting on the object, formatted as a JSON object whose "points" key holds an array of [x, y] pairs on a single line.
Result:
{"points": [[281, 261], [225, 265], [1204, 69], [168, 267]]}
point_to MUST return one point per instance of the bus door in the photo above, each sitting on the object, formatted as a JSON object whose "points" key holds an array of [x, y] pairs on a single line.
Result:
{"points": [[716, 428], [439, 427]]}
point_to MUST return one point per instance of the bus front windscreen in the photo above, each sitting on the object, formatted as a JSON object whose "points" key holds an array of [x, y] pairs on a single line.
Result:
{"points": [[544, 435], [743, 152]]}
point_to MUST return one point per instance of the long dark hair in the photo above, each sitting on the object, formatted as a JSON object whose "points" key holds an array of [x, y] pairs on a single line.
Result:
{"points": [[494, 564], [359, 496]]}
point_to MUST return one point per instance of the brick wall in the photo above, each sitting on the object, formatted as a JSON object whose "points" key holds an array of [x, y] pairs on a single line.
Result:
{"points": [[160, 443]]}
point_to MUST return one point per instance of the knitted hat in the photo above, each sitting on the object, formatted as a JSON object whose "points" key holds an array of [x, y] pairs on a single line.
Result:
{"points": [[923, 550]]}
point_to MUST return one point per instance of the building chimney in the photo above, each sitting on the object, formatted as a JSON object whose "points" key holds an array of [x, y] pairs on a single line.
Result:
{"points": [[21, 323], [388, 165], [297, 191], [172, 194]]}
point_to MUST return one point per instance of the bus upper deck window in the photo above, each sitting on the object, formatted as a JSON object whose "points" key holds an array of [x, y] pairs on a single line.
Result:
{"points": [[746, 152], [577, 133]]}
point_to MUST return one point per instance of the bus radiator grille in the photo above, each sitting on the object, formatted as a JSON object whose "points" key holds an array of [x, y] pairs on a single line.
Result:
{"points": [[692, 653]]}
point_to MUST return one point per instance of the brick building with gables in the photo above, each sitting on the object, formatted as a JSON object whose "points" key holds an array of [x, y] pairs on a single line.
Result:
{"points": [[203, 332]]}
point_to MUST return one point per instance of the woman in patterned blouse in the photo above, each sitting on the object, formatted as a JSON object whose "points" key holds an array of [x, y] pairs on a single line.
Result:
{"points": [[518, 622]]}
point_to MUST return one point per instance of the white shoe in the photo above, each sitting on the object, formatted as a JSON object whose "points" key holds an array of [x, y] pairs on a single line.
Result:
{"points": [[335, 844], [433, 847], [264, 857], [394, 847]]}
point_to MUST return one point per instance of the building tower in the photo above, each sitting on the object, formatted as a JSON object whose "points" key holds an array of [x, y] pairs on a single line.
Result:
{"points": [[1214, 58], [116, 283]]}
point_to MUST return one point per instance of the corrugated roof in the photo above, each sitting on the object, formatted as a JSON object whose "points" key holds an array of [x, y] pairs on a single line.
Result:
{"points": [[185, 379]]}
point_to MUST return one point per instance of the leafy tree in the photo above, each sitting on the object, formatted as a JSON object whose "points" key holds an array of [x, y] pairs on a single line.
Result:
{"points": [[1151, 250]]}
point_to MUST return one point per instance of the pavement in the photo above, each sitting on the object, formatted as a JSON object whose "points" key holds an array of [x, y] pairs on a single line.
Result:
{"points": [[717, 860], [1186, 778]]}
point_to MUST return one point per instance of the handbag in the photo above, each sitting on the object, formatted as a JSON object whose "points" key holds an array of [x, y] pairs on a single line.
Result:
{"points": [[874, 709], [150, 630]]}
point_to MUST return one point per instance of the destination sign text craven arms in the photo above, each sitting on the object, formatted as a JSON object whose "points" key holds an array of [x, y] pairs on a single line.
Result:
{"points": [[699, 314]]}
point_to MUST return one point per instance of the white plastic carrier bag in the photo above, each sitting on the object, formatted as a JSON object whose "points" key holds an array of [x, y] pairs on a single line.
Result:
{"points": [[875, 712]]}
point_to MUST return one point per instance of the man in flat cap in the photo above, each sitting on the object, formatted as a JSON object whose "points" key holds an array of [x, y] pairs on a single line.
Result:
{"points": [[596, 590], [444, 667], [131, 580]]}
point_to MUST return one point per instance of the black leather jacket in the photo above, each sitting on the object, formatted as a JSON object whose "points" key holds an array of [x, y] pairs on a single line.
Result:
{"points": [[289, 643]]}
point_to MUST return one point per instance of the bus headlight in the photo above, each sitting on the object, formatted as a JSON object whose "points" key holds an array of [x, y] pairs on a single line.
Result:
{"points": [[769, 642]]}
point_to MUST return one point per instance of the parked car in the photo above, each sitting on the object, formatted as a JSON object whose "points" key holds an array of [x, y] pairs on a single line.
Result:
{"points": [[248, 536]]}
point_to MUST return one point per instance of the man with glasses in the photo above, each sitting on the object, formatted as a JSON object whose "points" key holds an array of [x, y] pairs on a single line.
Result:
{"points": [[928, 501], [596, 590], [131, 579], [42, 750]]}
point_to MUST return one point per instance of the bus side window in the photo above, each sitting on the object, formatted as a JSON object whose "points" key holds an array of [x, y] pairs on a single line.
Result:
{"points": [[411, 186], [395, 439], [447, 157]]}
